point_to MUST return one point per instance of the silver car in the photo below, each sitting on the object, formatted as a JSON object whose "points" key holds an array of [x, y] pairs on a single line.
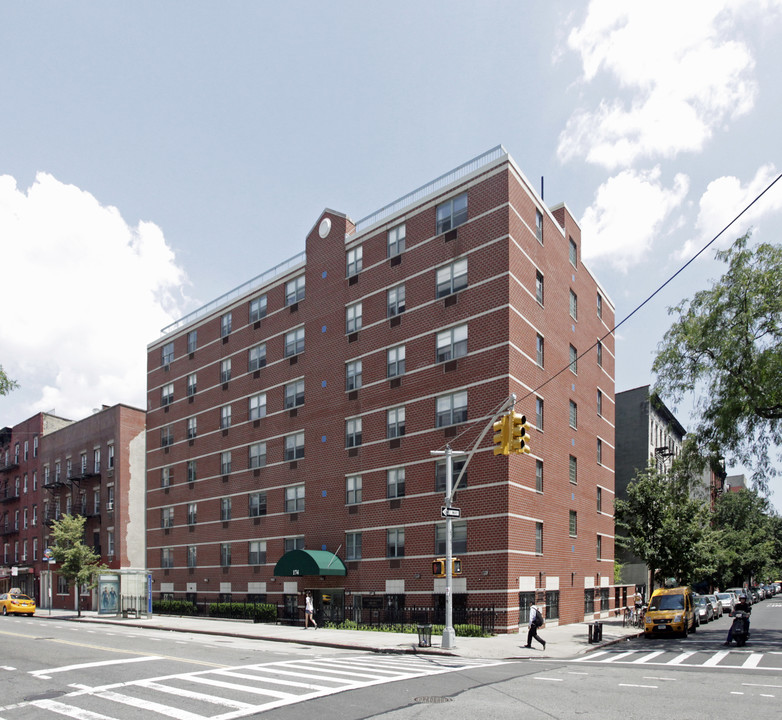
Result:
{"points": [[728, 601], [716, 606]]}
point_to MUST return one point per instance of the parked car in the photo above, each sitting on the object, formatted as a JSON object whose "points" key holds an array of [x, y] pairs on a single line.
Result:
{"points": [[704, 608], [728, 601], [670, 610], [742, 591], [14, 602], [756, 598], [716, 605]]}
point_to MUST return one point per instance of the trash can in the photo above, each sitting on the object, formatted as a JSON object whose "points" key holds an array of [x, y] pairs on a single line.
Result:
{"points": [[425, 635]]}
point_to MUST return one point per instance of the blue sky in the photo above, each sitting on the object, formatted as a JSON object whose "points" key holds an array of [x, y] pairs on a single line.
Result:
{"points": [[155, 155]]}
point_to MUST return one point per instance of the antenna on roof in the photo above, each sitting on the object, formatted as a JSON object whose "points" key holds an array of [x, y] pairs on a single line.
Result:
{"points": [[541, 187]]}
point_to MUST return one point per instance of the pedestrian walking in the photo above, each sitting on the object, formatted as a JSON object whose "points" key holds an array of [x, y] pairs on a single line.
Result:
{"points": [[308, 610], [535, 621]]}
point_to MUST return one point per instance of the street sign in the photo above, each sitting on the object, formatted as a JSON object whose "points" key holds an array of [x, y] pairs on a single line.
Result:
{"points": [[453, 512]]}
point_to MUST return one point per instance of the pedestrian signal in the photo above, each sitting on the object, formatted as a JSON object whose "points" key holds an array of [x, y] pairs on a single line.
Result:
{"points": [[456, 566], [438, 567]]}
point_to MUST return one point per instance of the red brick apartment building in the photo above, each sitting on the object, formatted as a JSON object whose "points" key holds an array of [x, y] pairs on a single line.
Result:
{"points": [[298, 412], [50, 466]]}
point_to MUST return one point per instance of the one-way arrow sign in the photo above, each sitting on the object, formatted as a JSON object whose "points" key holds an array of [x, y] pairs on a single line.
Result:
{"points": [[450, 512]]}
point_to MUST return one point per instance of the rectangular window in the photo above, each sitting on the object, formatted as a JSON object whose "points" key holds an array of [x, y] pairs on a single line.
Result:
{"points": [[192, 428], [225, 417], [257, 407], [225, 370], [167, 517], [573, 249], [539, 413], [257, 504], [451, 213], [396, 240], [452, 343], [257, 308], [539, 538], [225, 554], [395, 542], [573, 523], [353, 375], [573, 305], [294, 290], [353, 546], [573, 470], [353, 317], [600, 499], [589, 601], [192, 556], [600, 402], [294, 446], [600, 353], [452, 278], [355, 260], [395, 422], [552, 604], [599, 547], [226, 324], [599, 451], [96, 460], [294, 543], [452, 409], [539, 349], [395, 483], [395, 362], [225, 509], [539, 226], [539, 476], [256, 357], [573, 360], [192, 470], [192, 513], [353, 432], [439, 475], [257, 455], [192, 341], [225, 462], [166, 436], [353, 489], [167, 354], [294, 499], [256, 553], [395, 301], [167, 557], [539, 287], [294, 394], [167, 394], [599, 305], [458, 540], [573, 415], [294, 342], [192, 384]]}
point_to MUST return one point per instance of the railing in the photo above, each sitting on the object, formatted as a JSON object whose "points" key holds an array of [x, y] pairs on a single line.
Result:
{"points": [[469, 167], [237, 292]]}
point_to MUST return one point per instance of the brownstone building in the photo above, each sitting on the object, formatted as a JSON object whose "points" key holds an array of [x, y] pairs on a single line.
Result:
{"points": [[52, 466], [298, 413]]}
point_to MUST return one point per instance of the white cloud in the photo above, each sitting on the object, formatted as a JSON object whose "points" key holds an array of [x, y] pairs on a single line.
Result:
{"points": [[626, 216], [85, 294], [725, 198], [680, 68]]}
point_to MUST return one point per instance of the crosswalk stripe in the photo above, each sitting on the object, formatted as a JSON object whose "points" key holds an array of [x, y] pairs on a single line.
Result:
{"points": [[753, 660], [716, 658], [69, 710], [619, 656], [167, 710], [190, 694], [649, 656], [243, 688], [679, 659], [267, 679]]}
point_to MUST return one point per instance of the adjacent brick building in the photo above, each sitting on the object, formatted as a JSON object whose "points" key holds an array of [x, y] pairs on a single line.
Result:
{"points": [[52, 466], [298, 412]]}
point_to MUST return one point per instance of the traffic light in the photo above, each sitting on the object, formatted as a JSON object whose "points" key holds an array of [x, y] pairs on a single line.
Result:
{"points": [[456, 566], [438, 567], [502, 436], [519, 438]]}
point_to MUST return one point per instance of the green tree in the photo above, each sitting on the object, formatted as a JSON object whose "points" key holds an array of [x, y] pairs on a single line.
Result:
{"points": [[725, 345], [665, 527], [6, 384], [79, 564]]}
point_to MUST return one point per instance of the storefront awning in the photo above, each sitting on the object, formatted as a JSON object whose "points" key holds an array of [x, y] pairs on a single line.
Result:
{"points": [[296, 563]]}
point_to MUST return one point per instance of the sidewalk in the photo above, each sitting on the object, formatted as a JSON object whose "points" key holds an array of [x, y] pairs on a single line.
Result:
{"points": [[561, 642]]}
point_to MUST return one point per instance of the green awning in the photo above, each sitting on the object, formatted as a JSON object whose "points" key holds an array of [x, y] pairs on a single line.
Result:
{"points": [[296, 563]]}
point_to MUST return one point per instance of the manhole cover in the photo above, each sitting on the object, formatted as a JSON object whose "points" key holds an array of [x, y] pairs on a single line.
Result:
{"points": [[432, 699]]}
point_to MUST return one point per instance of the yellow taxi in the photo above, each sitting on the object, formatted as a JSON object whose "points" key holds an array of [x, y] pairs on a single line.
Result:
{"points": [[671, 611], [16, 602]]}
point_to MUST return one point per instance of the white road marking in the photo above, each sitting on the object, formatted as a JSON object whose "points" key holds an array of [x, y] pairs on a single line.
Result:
{"points": [[649, 656], [681, 657], [716, 658], [167, 710], [102, 663], [651, 687], [69, 710], [753, 660], [192, 695], [550, 679], [761, 685]]}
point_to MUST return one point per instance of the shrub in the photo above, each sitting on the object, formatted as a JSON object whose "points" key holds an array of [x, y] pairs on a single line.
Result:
{"points": [[173, 607], [258, 612]]}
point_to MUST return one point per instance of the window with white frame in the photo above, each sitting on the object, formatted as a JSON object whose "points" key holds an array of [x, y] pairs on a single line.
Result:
{"points": [[192, 341], [225, 554], [256, 553], [573, 415], [257, 504], [225, 509], [353, 375], [573, 523], [573, 250], [111, 456], [256, 357], [539, 347], [539, 286], [353, 432], [192, 556], [167, 557], [451, 213], [458, 539], [539, 476], [294, 394], [294, 290], [599, 451], [395, 482], [539, 225], [192, 513], [192, 470], [225, 417], [257, 455], [452, 343], [167, 517], [573, 469], [395, 361], [539, 538], [539, 408], [395, 542], [167, 394], [225, 462], [353, 317], [440, 472], [353, 489], [226, 324], [192, 384], [452, 278], [294, 342], [257, 308], [600, 402], [396, 240], [294, 446], [353, 546], [600, 499], [257, 405], [354, 260], [166, 436], [600, 353], [395, 422], [599, 305], [96, 460], [573, 305], [600, 548], [294, 499], [573, 360], [452, 409], [225, 370], [167, 353], [192, 427], [293, 543], [395, 300]]}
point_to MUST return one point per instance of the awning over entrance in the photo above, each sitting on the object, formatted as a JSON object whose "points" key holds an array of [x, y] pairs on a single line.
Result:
{"points": [[296, 563]]}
